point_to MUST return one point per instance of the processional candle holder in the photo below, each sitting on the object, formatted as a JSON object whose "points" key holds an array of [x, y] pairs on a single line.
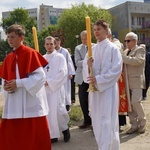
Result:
{"points": [[88, 29], [36, 45]]}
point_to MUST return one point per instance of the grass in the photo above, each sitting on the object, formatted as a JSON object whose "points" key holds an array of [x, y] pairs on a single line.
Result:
{"points": [[75, 115]]}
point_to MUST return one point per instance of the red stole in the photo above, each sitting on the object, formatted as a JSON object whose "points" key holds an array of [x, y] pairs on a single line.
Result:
{"points": [[28, 61], [123, 105]]}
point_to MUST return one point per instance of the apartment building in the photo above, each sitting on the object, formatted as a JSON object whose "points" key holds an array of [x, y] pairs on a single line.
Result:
{"points": [[44, 15], [32, 12], [48, 15], [131, 16]]}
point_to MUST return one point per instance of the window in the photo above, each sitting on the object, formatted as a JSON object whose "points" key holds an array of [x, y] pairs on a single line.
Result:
{"points": [[139, 21], [143, 22], [132, 20], [141, 37]]}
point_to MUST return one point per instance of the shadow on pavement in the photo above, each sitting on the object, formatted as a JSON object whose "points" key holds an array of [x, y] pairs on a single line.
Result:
{"points": [[81, 139]]}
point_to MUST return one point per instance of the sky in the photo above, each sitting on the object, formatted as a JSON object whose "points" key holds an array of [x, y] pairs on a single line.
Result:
{"points": [[10, 5]]}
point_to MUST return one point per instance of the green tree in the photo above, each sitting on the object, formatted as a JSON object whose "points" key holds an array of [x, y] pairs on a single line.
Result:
{"points": [[72, 21], [20, 16], [52, 30], [41, 36], [4, 49]]}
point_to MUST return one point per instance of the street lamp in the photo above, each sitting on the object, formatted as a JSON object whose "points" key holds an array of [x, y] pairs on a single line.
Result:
{"points": [[77, 37]]}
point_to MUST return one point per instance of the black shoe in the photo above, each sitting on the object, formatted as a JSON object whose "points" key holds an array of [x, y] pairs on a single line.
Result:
{"points": [[54, 140], [66, 134], [83, 126], [68, 108]]}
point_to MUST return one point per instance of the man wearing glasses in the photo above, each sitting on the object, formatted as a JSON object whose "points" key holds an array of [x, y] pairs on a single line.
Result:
{"points": [[134, 60]]}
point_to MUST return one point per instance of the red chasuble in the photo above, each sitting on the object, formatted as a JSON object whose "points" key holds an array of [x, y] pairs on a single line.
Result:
{"points": [[23, 133], [28, 61]]}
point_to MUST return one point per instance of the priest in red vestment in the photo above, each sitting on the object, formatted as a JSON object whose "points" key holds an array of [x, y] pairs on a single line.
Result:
{"points": [[23, 125]]}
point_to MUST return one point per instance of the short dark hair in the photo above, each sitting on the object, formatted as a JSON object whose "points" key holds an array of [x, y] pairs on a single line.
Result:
{"points": [[50, 38], [57, 38], [18, 29], [102, 23]]}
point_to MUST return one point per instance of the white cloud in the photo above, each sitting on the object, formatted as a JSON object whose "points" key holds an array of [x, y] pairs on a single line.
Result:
{"points": [[6, 2]]}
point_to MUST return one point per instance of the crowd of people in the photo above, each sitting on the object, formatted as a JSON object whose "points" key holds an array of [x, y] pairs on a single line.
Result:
{"points": [[39, 90]]}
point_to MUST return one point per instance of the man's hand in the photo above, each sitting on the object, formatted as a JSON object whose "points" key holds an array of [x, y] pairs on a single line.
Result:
{"points": [[10, 86], [46, 84], [90, 62], [91, 79], [70, 76]]}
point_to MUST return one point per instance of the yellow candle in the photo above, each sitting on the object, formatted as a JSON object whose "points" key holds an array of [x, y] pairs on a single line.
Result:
{"points": [[88, 29], [35, 39]]}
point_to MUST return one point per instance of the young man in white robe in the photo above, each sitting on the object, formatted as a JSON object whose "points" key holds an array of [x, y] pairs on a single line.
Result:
{"points": [[56, 74], [24, 125], [107, 66], [70, 73]]}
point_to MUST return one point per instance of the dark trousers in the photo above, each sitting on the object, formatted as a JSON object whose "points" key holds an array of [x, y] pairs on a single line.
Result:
{"points": [[147, 83], [122, 120], [83, 99], [72, 89]]}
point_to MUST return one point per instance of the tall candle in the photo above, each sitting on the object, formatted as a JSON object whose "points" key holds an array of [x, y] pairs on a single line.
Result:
{"points": [[88, 29], [36, 45]]}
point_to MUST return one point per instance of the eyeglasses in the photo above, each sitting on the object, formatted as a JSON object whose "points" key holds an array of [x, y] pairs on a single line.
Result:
{"points": [[127, 41]]}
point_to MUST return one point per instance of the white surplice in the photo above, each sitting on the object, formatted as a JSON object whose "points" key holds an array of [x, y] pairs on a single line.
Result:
{"points": [[29, 99], [104, 103], [71, 71], [56, 74]]}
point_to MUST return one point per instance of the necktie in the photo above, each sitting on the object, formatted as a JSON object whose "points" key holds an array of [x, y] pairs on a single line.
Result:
{"points": [[86, 48], [128, 52]]}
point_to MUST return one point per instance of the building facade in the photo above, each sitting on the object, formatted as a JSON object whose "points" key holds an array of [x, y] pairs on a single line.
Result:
{"points": [[146, 1], [131, 16], [48, 15], [32, 12], [44, 16]]}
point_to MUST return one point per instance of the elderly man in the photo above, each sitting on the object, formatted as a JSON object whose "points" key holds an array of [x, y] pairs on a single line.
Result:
{"points": [[134, 60], [80, 52]]}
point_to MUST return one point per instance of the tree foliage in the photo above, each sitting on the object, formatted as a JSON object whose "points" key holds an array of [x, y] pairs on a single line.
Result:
{"points": [[52, 30], [4, 49], [72, 21], [20, 16], [41, 36]]}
